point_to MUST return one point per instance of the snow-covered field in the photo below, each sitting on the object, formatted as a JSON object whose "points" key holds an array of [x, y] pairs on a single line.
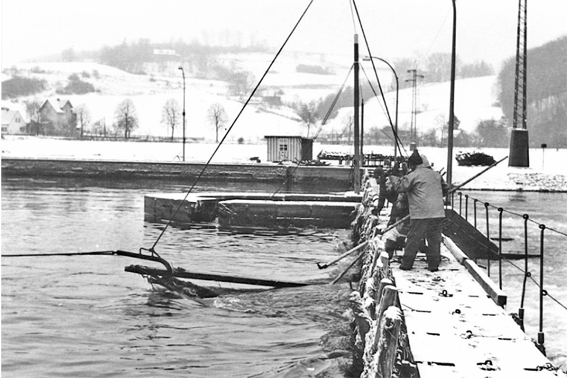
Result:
{"points": [[473, 101]]}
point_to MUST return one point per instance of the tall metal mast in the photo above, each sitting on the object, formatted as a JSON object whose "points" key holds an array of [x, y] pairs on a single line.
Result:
{"points": [[356, 120], [519, 141], [413, 126]]}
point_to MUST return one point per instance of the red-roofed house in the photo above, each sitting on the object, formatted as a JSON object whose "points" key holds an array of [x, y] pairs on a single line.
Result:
{"points": [[57, 117], [12, 122]]}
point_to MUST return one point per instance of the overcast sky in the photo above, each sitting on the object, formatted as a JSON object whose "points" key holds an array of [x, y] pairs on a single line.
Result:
{"points": [[486, 29]]}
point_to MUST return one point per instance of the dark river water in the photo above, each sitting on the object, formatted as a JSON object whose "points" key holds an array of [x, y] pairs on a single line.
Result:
{"points": [[85, 316]]}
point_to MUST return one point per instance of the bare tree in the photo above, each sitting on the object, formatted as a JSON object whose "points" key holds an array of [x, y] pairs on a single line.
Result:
{"points": [[126, 118], [83, 117], [171, 114], [99, 127], [217, 117], [308, 114], [240, 83], [32, 109]]}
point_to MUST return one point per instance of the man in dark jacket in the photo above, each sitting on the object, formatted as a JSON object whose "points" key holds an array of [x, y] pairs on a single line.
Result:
{"points": [[424, 188]]}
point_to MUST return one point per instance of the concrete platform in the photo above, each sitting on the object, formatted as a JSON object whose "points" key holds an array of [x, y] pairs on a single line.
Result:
{"points": [[262, 209], [275, 214]]}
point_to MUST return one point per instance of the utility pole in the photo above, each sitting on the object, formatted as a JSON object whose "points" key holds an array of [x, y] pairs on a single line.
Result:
{"points": [[356, 120], [519, 142], [413, 126]]}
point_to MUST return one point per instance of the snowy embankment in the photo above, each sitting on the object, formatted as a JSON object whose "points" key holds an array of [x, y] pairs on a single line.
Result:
{"points": [[546, 171]]}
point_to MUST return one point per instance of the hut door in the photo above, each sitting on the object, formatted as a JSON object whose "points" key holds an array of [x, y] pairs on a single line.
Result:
{"points": [[283, 145]]}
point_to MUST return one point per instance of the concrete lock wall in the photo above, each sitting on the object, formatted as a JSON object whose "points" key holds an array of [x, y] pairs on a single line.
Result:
{"points": [[338, 178]]}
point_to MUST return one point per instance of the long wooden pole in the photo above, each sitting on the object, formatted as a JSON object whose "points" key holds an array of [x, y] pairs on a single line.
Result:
{"points": [[211, 277], [347, 269], [347, 253], [458, 186]]}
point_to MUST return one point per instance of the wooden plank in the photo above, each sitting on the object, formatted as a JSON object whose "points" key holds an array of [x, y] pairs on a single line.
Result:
{"points": [[471, 241], [497, 295], [487, 284]]}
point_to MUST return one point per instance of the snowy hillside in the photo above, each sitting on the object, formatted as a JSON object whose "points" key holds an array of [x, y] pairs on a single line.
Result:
{"points": [[474, 102], [474, 98]]}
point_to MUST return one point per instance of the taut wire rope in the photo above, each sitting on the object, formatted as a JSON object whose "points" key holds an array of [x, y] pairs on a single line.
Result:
{"points": [[377, 78]]}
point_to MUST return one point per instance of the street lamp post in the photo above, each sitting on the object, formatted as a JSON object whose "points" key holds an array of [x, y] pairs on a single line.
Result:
{"points": [[452, 100], [183, 73], [397, 97]]}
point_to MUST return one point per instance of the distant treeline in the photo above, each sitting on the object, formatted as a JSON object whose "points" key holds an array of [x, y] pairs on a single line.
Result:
{"points": [[132, 57]]}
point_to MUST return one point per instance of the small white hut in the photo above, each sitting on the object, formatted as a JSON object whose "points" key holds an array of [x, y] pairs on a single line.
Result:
{"points": [[289, 148]]}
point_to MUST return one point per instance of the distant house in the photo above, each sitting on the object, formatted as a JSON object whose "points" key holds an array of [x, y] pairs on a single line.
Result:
{"points": [[12, 122], [289, 148], [56, 117]]}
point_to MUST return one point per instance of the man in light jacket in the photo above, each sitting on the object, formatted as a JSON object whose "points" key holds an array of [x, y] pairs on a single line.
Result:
{"points": [[425, 189]]}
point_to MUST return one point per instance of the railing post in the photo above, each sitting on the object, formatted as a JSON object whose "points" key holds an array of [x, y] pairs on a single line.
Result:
{"points": [[542, 292], [474, 206], [466, 207], [500, 210], [526, 273], [486, 204], [460, 203]]}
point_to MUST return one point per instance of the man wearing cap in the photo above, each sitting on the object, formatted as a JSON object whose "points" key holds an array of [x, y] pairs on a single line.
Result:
{"points": [[424, 188]]}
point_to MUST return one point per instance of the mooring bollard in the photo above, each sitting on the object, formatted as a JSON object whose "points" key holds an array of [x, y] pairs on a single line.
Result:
{"points": [[363, 321], [388, 343], [388, 299]]}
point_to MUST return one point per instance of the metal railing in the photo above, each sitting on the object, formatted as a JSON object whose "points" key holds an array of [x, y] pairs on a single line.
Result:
{"points": [[542, 232]]}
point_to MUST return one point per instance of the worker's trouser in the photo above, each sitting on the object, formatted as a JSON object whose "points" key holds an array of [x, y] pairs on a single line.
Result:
{"points": [[430, 230]]}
